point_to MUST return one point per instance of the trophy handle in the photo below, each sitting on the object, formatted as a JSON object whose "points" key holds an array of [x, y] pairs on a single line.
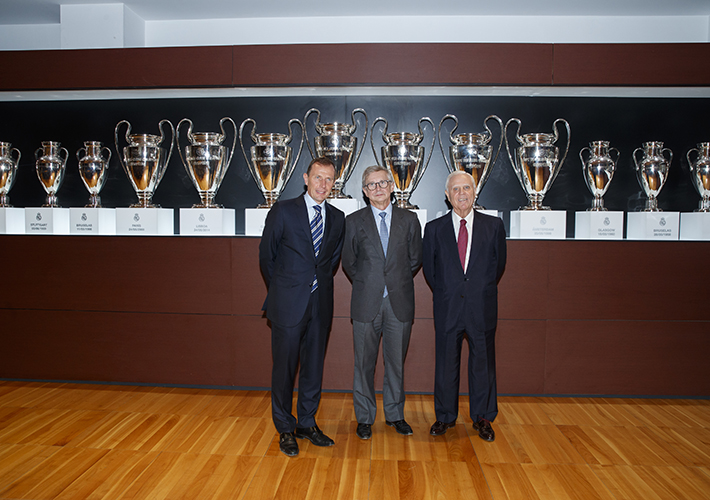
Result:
{"points": [[37, 155], [78, 156], [118, 149], [441, 144], [19, 155], [300, 147], [177, 139], [305, 133], [557, 135], [234, 140], [250, 167], [670, 155], [507, 146], [490, 133], [618, 155], [364, 136], [372, 134], [431, 149], [66, 155], [170, 152], [690, 162], [633, 155]]}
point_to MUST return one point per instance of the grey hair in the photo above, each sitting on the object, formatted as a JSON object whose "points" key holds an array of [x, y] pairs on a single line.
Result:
{"points": [[454, 174], [375, 168]]}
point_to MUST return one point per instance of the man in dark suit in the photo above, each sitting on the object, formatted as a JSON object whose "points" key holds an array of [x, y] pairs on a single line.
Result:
{"points": [[464, 258], [298, 255], [381, 254]]}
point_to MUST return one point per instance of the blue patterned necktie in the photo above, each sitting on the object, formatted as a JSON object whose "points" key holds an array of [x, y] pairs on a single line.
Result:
{"points": [[317, 234], [384, 238]]}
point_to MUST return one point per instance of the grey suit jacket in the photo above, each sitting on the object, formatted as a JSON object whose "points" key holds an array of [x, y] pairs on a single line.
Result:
{"points": [[365, 264]]}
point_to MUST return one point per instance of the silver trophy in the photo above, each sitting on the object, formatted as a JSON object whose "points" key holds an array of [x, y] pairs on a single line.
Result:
{"points": [[700, 172], [206, 160], [598, 169], [337, 142], [50, 166], [8, 170], [144, 161], [404, 157], [93, 165], [472, 153], [537, 161], [271, 165], [652, 171]]}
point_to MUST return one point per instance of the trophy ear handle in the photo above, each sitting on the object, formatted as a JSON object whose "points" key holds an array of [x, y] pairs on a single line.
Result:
{"points": [[441, 143], [177, 138], [372, 135], [300, 146], [250, 168], [426, 119], [364, 135], [687, 155], [66, 154], [170, 152], [224, 134], [500, 142], [108, 158], [507, 143], [670, 155], [19, 155], [78, 151], [305, 131], [557, 135], [118, 149]]}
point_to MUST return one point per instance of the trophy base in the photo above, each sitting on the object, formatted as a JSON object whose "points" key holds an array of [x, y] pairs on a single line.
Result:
{"points": [[145, 221], [538, 224], [12, 220], [695, 226], [533, 208], [92, 221], [47, 220], [144, 205], [652, 225], [599, 225], [197, 221]]}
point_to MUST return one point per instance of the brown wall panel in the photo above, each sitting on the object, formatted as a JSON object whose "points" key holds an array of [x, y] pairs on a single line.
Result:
{"points": [[523, 288], [632, 64], [520, 356], [117, 68]]}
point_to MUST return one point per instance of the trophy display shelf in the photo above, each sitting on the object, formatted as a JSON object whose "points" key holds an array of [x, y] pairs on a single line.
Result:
{"points": [[695, 226], [92, 221], [538, 224], [599, 225], [12, 220], [47, 220], [254, 220], [421, 215], [207, 221], [654, 226], [145, 221], [346, 205]]}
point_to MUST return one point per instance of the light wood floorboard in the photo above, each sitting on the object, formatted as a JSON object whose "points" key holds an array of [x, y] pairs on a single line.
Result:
{"points": [[81, 441]]}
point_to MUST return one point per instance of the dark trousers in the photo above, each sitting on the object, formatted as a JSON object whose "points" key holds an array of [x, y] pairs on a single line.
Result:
{"points": [[305, 342], [481, 372]]}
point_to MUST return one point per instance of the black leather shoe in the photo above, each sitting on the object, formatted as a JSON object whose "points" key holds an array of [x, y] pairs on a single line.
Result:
{"points": [[439, 428], [485, 431], [364, 431], [287, 444], [401, 426], [314, 435]]}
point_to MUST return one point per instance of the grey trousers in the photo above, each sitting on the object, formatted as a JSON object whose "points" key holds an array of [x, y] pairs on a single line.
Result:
{"points": [[366, 341]]}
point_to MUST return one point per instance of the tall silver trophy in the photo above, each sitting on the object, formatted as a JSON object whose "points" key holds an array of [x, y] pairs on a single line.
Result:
{"points": [[404, 157], [8, 171], [144, 161], [652, 171], [337, 142], [700, 172], [598, 167], [536, 161], [50, 165], [206, 160], [472, 153], [271, 162], [93, 167]]}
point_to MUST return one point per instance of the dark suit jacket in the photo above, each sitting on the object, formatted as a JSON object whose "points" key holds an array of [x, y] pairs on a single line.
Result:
{"points": [[288, 262], [476, 292], [365, 263]]}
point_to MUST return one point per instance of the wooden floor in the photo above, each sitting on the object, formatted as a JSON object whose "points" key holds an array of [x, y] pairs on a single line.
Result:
{"points": [[73, 441]]}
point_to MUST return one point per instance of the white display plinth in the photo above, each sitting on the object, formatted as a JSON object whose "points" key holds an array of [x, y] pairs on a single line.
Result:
{"points": [[422, 215], [207, 221], [144, 221], [695, 226], [538, 224], [92, 221], [657, 226], [487, 211], [254, 220], [12, 220], [599, 225], [46, 220], [346, 205]]}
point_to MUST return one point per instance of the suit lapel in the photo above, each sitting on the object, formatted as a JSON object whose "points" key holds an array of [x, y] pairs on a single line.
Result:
{"points": [[476, 241], [448, 239], [371, 231], [304, 222]]}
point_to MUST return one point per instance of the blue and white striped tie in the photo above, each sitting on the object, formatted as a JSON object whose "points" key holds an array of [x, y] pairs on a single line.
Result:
{"points": [[317, 234]]}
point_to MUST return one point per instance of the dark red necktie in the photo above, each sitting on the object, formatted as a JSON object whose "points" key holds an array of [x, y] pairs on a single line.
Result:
{"points": [[463, 243]]}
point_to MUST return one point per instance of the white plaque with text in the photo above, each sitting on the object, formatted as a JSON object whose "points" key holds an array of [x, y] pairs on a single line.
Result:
{"points": [[207, 221], [144, 221], [656, 226], [599, 225], [254, 220], [695, 226], [46, 220], [12, 220], [92, 221], [538, 224]]}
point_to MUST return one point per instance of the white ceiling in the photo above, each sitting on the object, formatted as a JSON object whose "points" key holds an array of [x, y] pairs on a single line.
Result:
{"points": [[47, 11]]}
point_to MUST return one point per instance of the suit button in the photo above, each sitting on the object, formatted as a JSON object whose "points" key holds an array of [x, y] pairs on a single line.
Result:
{"points": [[465, 279]]}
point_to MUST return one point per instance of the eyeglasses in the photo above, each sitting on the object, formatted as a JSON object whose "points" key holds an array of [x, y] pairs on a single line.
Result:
{"points": [[371, 186]]}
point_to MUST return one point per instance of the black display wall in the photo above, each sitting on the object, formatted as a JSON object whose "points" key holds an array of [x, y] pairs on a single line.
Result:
{"points": [[626, 122]]}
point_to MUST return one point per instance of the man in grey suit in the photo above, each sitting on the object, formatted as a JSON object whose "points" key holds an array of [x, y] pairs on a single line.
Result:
{"points": [[382, 251]]}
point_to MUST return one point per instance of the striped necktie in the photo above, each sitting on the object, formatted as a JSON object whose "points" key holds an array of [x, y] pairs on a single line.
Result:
{"points": [[317, 234]]}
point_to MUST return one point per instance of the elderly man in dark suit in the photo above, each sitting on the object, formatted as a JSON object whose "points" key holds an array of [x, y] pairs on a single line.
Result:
{"points": [[382, 252], [298, 255], [464, 258]]}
